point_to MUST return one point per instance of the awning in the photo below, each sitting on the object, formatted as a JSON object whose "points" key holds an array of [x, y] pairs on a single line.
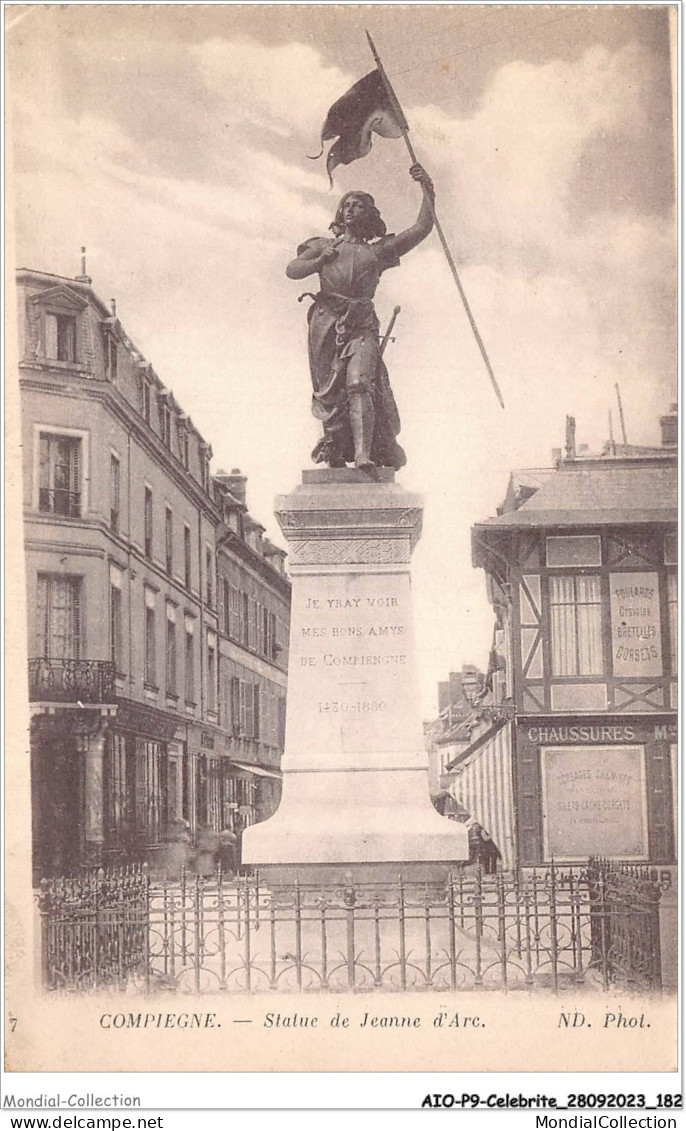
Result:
{"points": [[481, 780], [259, 770]]}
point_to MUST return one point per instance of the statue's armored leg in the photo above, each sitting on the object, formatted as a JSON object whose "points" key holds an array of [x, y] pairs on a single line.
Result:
{"points": [[362, 424], [361, 409]]}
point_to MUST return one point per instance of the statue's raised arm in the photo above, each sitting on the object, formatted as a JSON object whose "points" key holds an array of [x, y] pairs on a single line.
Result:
{"points": [[352, 395]]}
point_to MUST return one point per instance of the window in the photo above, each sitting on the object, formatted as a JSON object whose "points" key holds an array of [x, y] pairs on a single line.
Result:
{"points": [[252, 624], [58, 623], [115, 492], [184, 446], [189, 663], [243, 613], [235, 705], [111, 357], [205, 470], [234, 613], [673, 615], [146, 401], [147, 519], [116, 793], [226, 603], [211, 674], [165, 421], [148, 790], [60, 475], [60, 337], [209, 577], [170, 682], [576, 625], [671, 547], [116, 638], [149, 666], [187, 555], [168, 540]]}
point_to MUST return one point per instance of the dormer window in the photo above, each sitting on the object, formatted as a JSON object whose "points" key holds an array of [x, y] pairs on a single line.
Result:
{"points": [[205, 456], [146, 401], [165, 421], [54, 330], [111, 357], [184, 447]]}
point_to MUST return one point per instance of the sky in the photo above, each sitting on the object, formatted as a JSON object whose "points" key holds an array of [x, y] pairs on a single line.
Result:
{"points": [[172, 141]]}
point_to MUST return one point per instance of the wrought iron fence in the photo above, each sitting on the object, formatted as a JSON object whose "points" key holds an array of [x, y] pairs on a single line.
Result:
{"points": [[625, 924], [552, 929], [70, 681]]}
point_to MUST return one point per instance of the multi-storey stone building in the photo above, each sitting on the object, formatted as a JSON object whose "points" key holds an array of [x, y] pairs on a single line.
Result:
{"points": [[137, 721]]}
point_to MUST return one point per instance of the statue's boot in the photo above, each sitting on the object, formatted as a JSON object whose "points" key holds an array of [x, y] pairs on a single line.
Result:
{"points": [[361, 408]]}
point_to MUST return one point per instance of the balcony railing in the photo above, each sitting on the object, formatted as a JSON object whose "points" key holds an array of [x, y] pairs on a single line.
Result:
{"points": [[71, 681], [58, 500]]}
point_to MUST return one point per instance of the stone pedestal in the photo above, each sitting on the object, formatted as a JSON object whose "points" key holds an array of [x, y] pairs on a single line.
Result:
{"points": [[355, 784]]}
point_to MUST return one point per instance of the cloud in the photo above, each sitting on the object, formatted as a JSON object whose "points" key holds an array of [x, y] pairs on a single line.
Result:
{"points": [[271, 85]]}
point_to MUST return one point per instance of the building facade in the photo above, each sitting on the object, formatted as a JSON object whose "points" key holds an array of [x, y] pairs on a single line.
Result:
{"points": [[128, 539], [581, 566]]}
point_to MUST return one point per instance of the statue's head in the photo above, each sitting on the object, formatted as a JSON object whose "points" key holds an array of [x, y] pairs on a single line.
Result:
{"points": [[370, 225]]}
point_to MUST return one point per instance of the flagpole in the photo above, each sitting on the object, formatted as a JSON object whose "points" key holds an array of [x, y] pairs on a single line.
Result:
{"points": [[451, 263]]}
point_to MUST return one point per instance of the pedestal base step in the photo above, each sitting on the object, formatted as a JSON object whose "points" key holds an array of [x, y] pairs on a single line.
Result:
{"points": [[354, 873]]}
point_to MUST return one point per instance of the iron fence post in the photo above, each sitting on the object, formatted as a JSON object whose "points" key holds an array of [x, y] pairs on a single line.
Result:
{"points": [[349, 899]]}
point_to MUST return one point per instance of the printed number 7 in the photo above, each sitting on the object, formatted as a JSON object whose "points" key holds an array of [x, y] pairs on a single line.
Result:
{"points": [[13, 1022]]}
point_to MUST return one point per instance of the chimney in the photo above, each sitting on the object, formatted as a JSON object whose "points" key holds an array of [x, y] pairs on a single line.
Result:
{"points": [[570, 438], [670, 428], [235, 483], [557, 456], [83, 277]]}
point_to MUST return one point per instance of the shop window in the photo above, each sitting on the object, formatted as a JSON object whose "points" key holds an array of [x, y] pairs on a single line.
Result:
{"points": [[117, 812], [148, 805], [58, 624], [60, 486], [576, 625]]}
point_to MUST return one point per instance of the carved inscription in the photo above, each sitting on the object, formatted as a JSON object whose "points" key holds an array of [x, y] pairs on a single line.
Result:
{"points": [[350, 551]]}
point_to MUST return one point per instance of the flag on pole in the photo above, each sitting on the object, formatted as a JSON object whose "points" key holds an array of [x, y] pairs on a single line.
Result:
{"points": [[361, 111]]}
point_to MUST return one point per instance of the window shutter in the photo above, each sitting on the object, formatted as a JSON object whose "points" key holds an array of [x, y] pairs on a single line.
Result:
{"points": [[75, 476], [235, 705], [243, 728], [42, 616], [256, 710]]}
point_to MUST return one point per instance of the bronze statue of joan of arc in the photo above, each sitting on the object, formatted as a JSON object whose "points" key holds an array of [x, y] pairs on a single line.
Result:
{"points": [[352, 395]]}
